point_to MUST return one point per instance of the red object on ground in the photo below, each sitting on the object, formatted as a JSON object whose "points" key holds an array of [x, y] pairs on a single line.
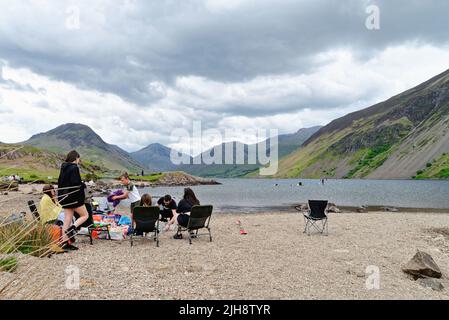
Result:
{"points": [[243, 232]]}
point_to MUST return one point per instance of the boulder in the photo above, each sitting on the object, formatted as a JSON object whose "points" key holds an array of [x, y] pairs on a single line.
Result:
{"points": [[422, 265], [333, 209], [432, 283], [9, 186], [302, 207], [390, 209], [362, 209]]}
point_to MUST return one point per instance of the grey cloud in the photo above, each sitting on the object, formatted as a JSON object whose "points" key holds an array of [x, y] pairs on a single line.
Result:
{"points": [[123, 47]]}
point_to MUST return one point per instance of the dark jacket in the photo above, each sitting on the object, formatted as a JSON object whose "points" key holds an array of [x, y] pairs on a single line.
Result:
{"points": [[184, 206], [71, 193]]}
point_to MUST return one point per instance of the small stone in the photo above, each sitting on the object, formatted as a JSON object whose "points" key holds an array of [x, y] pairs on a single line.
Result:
{"points": [[432, 283]]}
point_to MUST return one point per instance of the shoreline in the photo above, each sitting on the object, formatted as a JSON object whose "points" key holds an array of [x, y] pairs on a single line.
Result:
{"points": [[274, 252], [27, 192]]}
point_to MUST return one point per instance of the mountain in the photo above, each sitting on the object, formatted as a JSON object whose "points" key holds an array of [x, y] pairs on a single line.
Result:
{"points": [[34, 164], [286, 144], [155, 157], [89, 144], [405, 137]]}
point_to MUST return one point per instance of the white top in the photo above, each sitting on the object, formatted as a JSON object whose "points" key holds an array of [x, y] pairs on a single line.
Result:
{"points": [[134, 194]]}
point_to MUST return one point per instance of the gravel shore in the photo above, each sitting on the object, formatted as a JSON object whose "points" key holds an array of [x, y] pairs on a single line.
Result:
{"points": [[274, 261]]}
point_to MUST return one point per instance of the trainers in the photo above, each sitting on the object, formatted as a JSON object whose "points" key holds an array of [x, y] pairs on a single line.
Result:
{"points": [[177, 236], [68, 247]]}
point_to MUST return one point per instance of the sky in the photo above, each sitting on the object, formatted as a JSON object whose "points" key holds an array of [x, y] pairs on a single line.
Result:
{"points": [[135, 71]]}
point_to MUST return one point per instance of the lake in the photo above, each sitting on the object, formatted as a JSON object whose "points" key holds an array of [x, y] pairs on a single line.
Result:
{"points": [[256, 195]]}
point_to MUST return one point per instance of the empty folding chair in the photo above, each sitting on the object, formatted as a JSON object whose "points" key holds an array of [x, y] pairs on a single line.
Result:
{"points": [[317, 217], [199, 219], [146, 220]]}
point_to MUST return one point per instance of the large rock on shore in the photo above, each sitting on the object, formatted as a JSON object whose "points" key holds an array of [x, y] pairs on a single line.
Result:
{"points": [[422, 265], [183, 179], [9, 186]]}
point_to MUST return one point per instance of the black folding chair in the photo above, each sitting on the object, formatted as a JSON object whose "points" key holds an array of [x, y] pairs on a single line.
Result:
{"points": [[199, 219], [33, 210], [317, 217], [146, 220]]}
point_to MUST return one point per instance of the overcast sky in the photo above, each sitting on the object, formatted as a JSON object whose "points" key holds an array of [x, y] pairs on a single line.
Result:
{"points": [[136, 70]]}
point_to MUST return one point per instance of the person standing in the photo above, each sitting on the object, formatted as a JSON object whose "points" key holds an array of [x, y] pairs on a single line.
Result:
{"points": [[131, 192], [71, 197]]}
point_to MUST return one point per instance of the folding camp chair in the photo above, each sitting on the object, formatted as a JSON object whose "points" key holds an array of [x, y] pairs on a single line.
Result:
{"points": [[33, 210], [317, 217], [199, 219], [146, 220]]}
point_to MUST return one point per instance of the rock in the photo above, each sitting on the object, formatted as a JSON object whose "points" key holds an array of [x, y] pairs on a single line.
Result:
{"points": [[302, 207], [422, 265], [432, 283], [390, 209], [333, 209], [9, 186], [362, 209]]}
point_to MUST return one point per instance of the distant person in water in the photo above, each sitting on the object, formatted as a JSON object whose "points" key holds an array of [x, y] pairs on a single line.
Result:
{"points": [[182, 215], [131, 192], [71, 197], [168, 207]]}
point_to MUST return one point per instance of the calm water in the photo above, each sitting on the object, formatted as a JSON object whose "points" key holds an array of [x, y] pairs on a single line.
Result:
{"points": [[249, 195]]}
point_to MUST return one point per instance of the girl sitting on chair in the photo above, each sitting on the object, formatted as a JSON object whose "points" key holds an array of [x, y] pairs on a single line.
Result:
{"points": [[182, 215]]}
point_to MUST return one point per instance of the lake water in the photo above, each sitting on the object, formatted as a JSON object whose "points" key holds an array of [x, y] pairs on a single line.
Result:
{"points": [[255, 195]]}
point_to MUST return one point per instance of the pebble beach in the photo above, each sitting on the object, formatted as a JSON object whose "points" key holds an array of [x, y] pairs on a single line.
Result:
{"points": [[275, 260]]}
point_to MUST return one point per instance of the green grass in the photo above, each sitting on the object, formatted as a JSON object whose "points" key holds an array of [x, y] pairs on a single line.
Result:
{"points": [[437, 169], [150, 178], [8, 264], [31, 175], [372, 159]]}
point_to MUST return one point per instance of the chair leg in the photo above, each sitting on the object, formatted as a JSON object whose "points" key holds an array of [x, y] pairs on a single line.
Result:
{"points": [[90, 237], [156, 238], [210, 234], [132, 240], [190, 238], [306, 222]]}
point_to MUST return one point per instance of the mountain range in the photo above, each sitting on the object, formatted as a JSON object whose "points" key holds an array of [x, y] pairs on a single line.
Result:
{"points": [[406, 136], [157, 156]]}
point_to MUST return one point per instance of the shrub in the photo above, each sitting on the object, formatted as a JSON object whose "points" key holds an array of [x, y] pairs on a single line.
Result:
{"points": [[428, 165], [26, 237]]}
